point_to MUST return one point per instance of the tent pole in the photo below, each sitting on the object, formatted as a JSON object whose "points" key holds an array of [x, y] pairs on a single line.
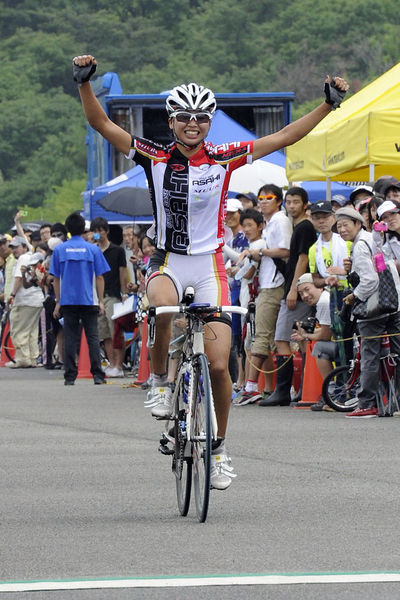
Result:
{"points": [[328, 189], [371, 172]]}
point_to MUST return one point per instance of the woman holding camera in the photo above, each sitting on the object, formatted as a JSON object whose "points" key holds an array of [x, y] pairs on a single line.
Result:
{"points": [[386, 233], [350, 224]]}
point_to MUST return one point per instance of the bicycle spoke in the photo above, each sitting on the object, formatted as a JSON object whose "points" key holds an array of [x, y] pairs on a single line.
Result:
{"points": [[182, 461], [340, 389]]}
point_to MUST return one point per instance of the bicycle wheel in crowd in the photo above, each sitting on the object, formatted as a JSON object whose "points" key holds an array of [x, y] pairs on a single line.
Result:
{"points": [[182, 460], [201, 435], [7, 346], [340, 389]]}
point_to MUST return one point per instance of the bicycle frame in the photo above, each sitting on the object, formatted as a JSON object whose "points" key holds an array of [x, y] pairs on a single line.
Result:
{"points": [[193, 414], [193, 344]]}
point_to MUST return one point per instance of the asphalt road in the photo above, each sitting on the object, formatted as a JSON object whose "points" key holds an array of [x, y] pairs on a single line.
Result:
{"points": [[84, 494]]}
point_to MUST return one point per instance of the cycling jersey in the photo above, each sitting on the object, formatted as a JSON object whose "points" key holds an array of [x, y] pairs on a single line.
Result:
{"points": [[189, 194]]}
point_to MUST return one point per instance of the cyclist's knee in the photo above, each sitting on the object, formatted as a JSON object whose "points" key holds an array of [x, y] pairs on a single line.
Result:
{"points": [[161, 292], [219, 367]]}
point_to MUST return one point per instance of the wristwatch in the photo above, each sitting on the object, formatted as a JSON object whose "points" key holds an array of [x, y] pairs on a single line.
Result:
{"points": [[260, 253]]}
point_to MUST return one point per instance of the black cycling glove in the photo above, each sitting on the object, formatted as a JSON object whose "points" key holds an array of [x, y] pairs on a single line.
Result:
{"points": [[82, 74], [334, 96]]}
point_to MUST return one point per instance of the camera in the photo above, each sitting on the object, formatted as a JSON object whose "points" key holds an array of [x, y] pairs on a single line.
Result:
{"points": [[354, 279], [308, 324], [380, 226]]}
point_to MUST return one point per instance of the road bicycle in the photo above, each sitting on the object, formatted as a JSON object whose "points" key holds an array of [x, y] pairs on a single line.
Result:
{"points": [[193, 425], [340, 387]]}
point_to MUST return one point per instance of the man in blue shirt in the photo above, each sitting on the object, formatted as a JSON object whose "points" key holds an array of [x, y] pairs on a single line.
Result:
{"points": [[77, 267]]}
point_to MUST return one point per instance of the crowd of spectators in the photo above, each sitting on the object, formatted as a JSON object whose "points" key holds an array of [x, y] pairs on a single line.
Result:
{"points": [[290, 257], [28, 296], [298, 275]]}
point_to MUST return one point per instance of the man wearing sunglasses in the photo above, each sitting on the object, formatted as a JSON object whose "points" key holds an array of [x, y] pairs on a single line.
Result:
{"points": [[188, 182]]}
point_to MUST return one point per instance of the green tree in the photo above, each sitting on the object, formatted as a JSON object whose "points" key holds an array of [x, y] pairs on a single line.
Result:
{"points": [[63, 200], [228, 45]]}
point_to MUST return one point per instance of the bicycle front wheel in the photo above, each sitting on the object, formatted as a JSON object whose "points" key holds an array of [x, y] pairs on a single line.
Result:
{"points": [[182, 462], [340, 387], [201, 435]]}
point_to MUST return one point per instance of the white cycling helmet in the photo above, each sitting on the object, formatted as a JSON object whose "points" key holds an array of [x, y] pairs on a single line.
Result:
{"points": [[191, 97]]}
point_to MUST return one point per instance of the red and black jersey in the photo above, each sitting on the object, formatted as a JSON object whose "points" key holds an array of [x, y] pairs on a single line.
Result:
{"points": [[189, 194]]}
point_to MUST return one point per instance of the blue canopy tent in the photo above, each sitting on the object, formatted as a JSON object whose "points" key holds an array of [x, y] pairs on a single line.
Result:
{"points": [[223, 129], [135, 177], [317, 190]]}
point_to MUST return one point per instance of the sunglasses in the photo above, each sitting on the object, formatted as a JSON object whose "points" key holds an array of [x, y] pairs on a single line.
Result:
{"points": [[267, 197], [185, 117]]}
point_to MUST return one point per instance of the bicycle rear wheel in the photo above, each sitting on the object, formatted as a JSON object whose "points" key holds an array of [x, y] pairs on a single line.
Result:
{"points": [[201, 435], [182, 463], [340, 387]]}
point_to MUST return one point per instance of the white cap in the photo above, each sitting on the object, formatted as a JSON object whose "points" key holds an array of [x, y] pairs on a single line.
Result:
{"points": [[53, 242], [37, 257], [387, 206], [361, 188], [233, 204], [306, 278]]}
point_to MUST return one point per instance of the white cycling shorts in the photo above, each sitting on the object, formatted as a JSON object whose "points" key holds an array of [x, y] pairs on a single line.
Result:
{"points": [[204, 272]]}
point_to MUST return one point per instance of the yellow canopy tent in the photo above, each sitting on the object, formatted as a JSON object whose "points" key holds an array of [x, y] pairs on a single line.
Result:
{"points": [[360, 141]]}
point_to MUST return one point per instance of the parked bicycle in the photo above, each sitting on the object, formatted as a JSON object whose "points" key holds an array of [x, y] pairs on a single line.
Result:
{"points": [[340, 387], [193, 425]]}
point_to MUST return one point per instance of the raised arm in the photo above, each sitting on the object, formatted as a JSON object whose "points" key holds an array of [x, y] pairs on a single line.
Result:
{"points": [[83, 68], [295, 131], [20, 229]]}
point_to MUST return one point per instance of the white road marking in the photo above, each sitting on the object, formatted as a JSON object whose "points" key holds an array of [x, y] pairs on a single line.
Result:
{"points": [[200, 581]]}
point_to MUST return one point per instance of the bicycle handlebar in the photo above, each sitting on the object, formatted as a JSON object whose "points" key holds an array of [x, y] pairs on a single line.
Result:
{"points": [[160, 310], [198, 309]]}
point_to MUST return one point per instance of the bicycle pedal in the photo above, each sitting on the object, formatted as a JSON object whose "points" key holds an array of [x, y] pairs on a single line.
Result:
{"points": [[165, 450]]}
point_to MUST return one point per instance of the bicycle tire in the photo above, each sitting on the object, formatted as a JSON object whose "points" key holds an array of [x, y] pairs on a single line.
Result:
{"points": [[181, 464], [7, 346], [339, 389], [201, 435]]}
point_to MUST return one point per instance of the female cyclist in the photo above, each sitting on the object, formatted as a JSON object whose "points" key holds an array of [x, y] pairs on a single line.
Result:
{"points": [[188, 182]]}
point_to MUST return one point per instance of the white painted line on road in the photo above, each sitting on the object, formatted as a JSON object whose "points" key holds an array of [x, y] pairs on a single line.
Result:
{"points": [[200, 581]]}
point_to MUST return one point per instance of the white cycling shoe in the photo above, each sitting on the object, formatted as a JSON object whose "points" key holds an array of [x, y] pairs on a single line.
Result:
{"points": [[221, 472], [161, 402]]}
